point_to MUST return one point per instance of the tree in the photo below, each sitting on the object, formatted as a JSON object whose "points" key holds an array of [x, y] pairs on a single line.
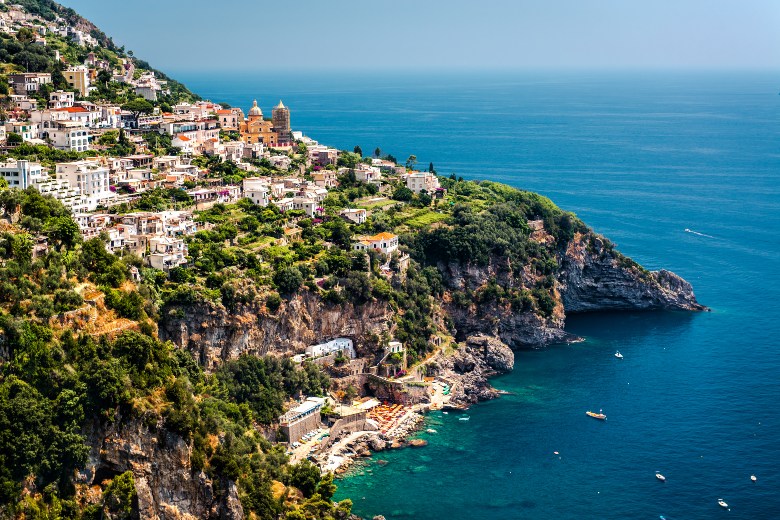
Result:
{"points": [[403, 193], [326, 488], [358, 150], [411, 162], [64, 232], [104, 77], [350, 393], [138, 106], [120, 497], [377, 152], [25, 35], [305, 476], [14, 138], [431, 169], [288, 280]]}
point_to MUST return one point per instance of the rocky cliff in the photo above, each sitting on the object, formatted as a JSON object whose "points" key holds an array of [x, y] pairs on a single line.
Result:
{"points": [[594, 277], [212, 333], [479, 358], [590, 276], [167, 486]]}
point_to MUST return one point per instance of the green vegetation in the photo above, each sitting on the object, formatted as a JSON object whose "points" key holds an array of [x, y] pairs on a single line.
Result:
{"points": [[57, 383]]}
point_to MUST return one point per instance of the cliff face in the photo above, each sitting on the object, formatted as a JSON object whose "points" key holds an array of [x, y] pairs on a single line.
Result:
{"points": [[213, 334], [479, 358], [167, 486], [517, 329], [593, 278]]}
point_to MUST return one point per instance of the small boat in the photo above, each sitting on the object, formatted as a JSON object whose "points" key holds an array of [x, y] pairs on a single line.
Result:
{"points": [[464, 418], [595, 415], [753, 478], [660, 477], [431, 430], [618, 355], [722, 503]]}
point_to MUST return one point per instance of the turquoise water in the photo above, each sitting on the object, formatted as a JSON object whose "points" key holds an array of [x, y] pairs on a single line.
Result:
{"points": [[640, 157]]}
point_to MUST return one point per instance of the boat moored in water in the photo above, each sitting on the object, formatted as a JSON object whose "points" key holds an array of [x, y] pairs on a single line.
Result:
{"points": [[595, 415], [660, 477], [618, 355], [722, 503], [753, 478]]}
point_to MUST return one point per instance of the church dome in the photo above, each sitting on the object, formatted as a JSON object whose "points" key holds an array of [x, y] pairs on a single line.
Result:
{"points": [[255, 110]]}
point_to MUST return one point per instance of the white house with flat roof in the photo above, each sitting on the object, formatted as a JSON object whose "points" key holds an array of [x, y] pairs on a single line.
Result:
{"points": [[343, 345], [419, 181], [257, 190], [90, 177], [21, 174], [357, 216]]}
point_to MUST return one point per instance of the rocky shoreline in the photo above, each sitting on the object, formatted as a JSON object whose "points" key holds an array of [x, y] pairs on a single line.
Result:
{"points": [[478, 358]]}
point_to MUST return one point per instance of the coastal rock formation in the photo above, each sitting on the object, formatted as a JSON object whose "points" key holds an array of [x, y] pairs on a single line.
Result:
{"points": [[475, 361], [213, 334], [517, 329], [590, 276], [594, 277], [168, 488]]}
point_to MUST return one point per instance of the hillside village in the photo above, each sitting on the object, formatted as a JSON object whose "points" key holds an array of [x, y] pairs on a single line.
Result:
{"points": [[294, 302], [138, 176]]}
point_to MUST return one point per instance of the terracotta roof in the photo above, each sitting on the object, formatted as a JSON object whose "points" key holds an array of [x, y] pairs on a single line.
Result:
{"points": [[182, 138], [226, 112], [383, 236]]}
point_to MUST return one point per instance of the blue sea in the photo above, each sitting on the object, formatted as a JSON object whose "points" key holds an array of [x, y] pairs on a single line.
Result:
{"points": [[640, 157]]}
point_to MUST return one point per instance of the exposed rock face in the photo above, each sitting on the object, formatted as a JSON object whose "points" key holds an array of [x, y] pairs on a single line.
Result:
{"points": [[167, 486], [478, 359], [214, 334], [518, 329], [592, 278]]}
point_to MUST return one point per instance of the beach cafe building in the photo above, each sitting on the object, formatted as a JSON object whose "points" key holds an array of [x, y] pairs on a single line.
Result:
{"points": [[302, 419]]}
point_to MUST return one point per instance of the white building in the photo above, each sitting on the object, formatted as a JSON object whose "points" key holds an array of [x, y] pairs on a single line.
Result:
{"points": [[384, 242], [419, 181], [68, 135], [395, 347], [165, 253], [61, 99], [256, 190], [357, 216], [21, 174], [367, 174], [343, 345], [309, 206], [90, 177], [285, 204], [27, 130]]}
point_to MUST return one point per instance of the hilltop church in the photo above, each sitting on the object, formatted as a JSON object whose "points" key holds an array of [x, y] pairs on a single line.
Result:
{"points": [[272, 133]]}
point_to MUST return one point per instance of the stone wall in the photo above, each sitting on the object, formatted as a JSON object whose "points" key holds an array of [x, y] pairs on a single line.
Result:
{"points": [[295, 430]]}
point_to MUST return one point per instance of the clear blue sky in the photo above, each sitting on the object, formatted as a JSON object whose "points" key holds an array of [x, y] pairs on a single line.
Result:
{"points": [[179, 35]]}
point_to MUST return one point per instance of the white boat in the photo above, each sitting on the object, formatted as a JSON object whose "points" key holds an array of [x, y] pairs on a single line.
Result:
{"points": [[430, 430], [618, 355], [660, 477], [753, 478], [722, 503], [465, 418]]}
